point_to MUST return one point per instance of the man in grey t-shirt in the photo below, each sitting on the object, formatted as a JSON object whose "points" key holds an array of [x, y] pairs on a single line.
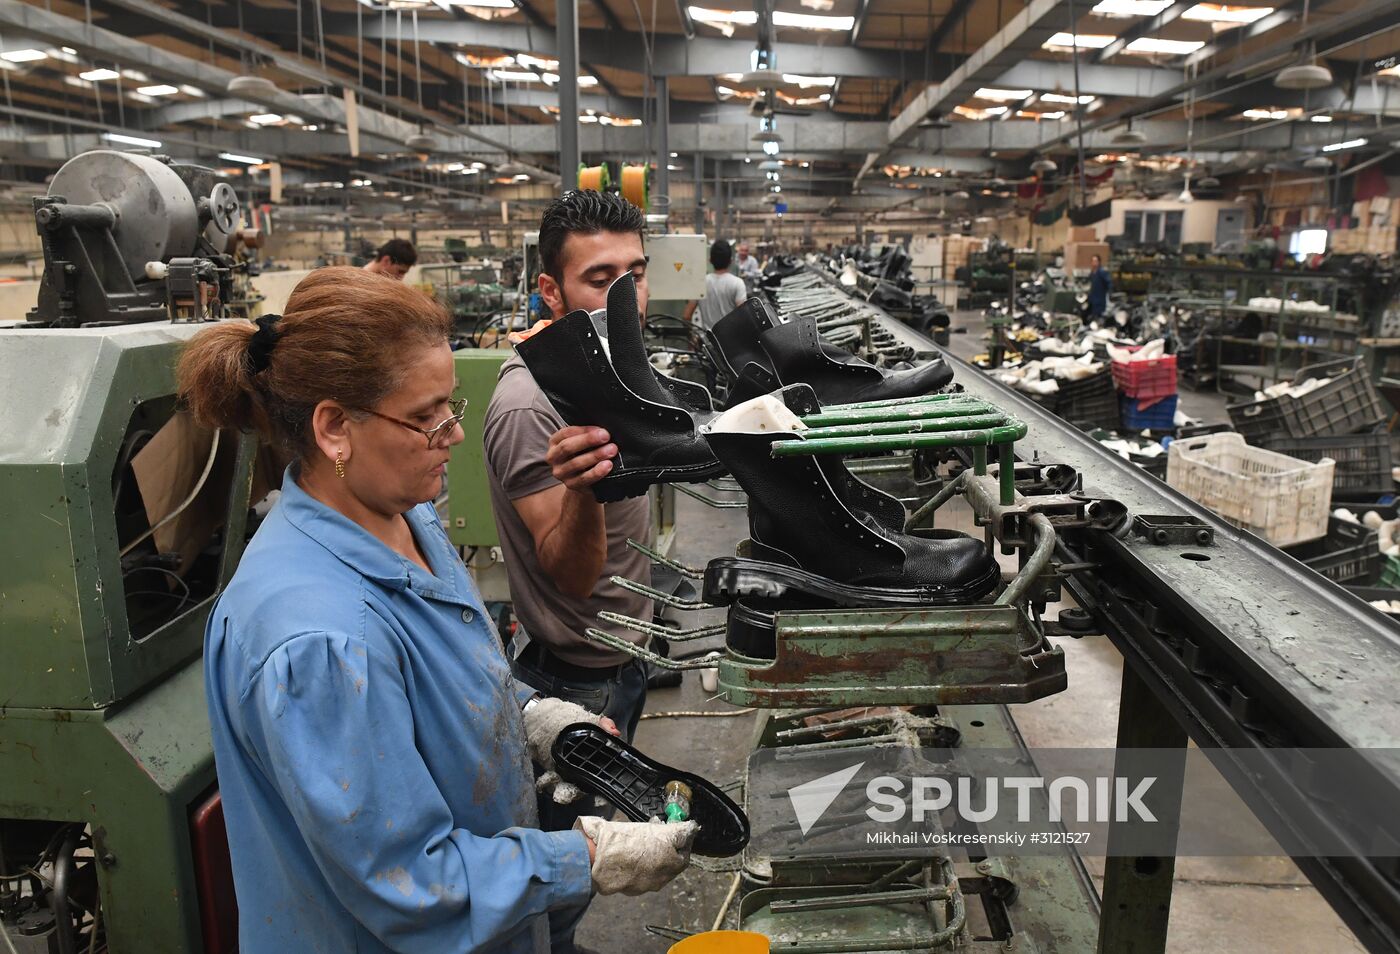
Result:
{"points": [[723, 292], [561, 546]]}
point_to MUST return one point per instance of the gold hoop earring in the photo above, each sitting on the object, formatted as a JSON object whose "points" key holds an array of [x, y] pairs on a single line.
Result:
{"points": [[339, 465]]}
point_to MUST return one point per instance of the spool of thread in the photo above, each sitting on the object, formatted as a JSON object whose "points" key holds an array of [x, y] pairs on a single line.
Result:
{"points": [[594, 178], [634, 185], [677, 805]]}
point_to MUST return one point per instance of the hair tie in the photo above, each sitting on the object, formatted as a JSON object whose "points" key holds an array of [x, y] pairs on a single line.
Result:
{"points": [[261, 344]]}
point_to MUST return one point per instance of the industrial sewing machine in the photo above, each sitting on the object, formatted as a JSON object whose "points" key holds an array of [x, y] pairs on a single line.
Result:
{"points": [[122, 521]]}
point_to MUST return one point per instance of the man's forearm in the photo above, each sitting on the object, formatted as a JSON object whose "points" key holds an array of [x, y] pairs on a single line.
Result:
{"points": [[574, 552]]}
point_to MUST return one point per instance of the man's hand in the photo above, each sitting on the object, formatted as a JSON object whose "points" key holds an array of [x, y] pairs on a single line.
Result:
{"points": [[580, 456]]}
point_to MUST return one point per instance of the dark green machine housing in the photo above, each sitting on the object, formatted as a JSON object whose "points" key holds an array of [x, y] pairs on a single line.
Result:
{"points": [[104, 737]]}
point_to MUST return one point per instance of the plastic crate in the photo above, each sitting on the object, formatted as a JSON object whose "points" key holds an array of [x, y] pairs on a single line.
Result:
{"points": [[1346, 404], [1369, 593], [1348, 554], [1390, 574], [1363, 460], [1159, 416], [1147, 380], [1092, 400], [1279, 498]]}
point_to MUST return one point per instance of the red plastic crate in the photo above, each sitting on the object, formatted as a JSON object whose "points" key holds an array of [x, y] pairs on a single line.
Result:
{"points": [[1148, 381]]}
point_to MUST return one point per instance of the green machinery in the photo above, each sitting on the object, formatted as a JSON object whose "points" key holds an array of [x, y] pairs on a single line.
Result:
{"points": [[106, 765], [121, 521]]}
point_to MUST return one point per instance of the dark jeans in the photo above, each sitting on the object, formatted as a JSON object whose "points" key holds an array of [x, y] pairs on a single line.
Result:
{"points": [[620, 696]]}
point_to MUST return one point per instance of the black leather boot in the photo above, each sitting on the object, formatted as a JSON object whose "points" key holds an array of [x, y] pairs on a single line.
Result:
{"points": [[733, 348], [833, 540], [799, 354], [617, 389]]}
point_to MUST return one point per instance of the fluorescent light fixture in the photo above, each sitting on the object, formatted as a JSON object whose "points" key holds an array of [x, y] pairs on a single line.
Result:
{"points": [[23, 56], [672, 167], [1001, 95], [798, 79], [194, 91], [1265, 114], [74, 81], [69, 50], [585, 81], [1348, 144], [235, 157], [514, 76], [1220, 13], [1062, 98], [265, 119], [132, 140], [812, 21], [1152, 44], [160, 89], [771, 148], [93, 76], [724, 90], [1057, 114], [1130, 8], [139, 98], [487, 4], [706, 15], [521, 177], [994, 110], [1320, 118], [1065, 41], [537, 62], [478, 166]]}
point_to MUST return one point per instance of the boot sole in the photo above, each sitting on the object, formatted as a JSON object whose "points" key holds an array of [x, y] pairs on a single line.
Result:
{"points": [[635, 783], [730, 579], [634, 483]]}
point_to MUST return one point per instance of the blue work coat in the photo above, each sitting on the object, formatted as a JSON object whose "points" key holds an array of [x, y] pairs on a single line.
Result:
{"points": [[371, 754]]}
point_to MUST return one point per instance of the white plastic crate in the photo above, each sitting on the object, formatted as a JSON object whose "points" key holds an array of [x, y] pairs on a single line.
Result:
{"points": [[1280, 498]]}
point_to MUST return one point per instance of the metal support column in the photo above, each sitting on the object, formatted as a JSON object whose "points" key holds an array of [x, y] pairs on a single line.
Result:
{"points": [[566, 33], [1137, 890], [699, 193], [663, 140]]}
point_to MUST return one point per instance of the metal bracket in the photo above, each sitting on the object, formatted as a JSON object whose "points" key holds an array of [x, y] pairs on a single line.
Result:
{"points": [[1181, 531]]}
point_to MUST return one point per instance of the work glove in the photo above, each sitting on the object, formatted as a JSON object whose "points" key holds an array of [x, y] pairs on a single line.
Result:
{"points": [[543, 722], [637, 857]]}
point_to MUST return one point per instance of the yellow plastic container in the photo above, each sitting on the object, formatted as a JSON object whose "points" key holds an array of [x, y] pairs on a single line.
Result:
{"points": [[722, 942]]}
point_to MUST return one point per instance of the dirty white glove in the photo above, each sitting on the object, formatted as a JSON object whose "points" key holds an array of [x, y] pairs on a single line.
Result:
{"points": [[543, 722], [637, 857]]}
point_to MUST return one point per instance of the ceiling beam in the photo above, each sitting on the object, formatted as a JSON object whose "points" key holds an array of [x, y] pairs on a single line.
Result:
{"points": [[1020, 38], [1144, 27]]}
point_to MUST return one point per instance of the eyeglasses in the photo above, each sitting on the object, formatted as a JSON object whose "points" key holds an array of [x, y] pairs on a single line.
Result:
{"points": [[440, 432]]}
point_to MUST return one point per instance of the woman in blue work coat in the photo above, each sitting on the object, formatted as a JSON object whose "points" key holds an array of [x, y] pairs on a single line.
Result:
{"points": [[373, 757]]}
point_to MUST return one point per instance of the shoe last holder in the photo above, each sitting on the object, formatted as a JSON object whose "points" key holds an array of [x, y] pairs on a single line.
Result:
{"points": [[987, 652]]}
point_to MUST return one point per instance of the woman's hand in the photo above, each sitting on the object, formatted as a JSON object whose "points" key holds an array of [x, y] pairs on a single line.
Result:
{"points": [[609, 726]]}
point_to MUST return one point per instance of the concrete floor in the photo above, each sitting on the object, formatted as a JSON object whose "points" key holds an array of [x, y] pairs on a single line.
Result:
{"points": [[1227, 905]]}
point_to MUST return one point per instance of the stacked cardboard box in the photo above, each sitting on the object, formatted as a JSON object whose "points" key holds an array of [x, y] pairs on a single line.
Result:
{"points": [[1375, 240], [956, 249], [1079, 254]]}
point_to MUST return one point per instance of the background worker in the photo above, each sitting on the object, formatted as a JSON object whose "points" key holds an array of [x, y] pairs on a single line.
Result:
{"points": [[373, 750], [1100, 284], [723, 291], [561, 547], [394, 258], [747, 267]]}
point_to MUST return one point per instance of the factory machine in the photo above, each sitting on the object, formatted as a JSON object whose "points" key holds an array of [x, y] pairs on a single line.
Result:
{"points": [[121, 522]]}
